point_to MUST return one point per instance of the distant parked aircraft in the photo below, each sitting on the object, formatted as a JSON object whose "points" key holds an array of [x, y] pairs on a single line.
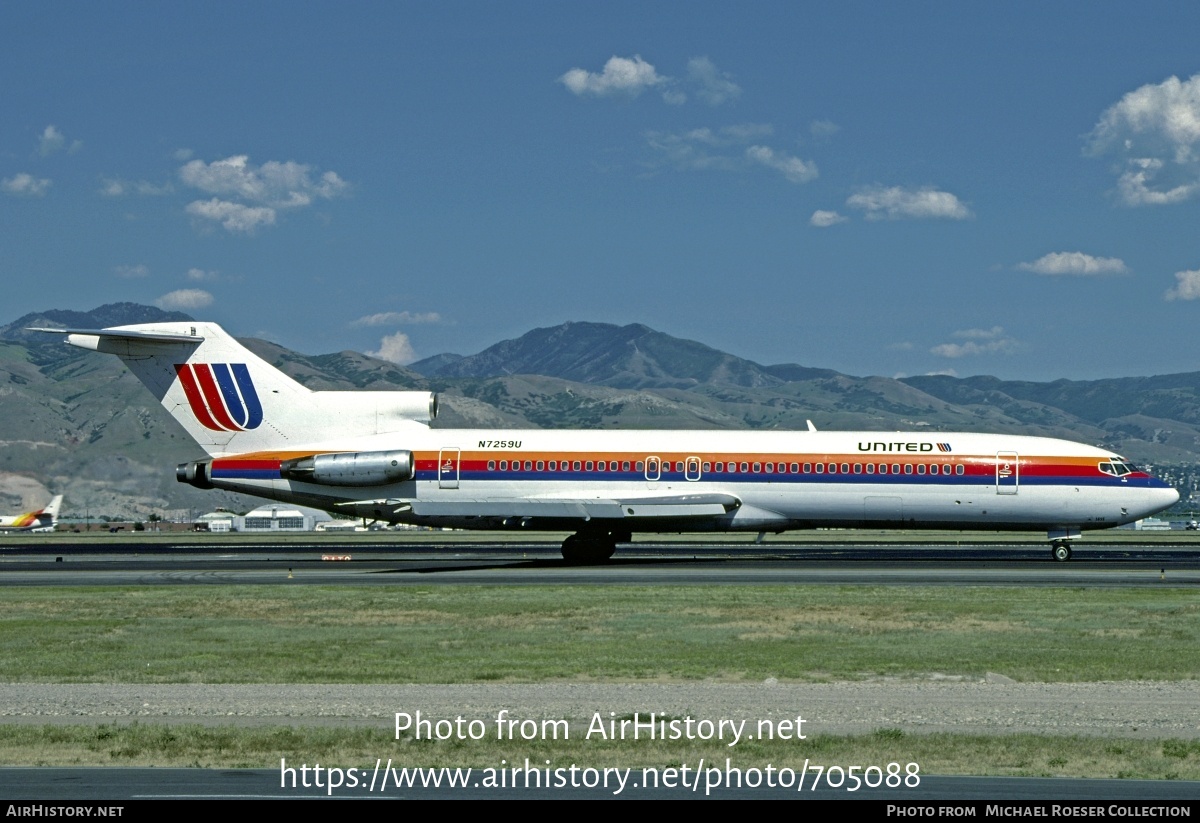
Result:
{"points": [[42, 520], [373, 454]]}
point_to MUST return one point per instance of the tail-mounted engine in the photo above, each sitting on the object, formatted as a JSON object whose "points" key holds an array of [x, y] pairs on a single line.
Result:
{"points": [[351, 468], [196, 473]]}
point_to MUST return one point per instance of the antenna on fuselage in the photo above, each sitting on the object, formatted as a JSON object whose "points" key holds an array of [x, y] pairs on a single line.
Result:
{"points": [[811, 427]]}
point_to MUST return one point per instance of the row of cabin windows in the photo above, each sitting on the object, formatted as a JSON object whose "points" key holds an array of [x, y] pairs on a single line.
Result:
{"points": [[731, 467], [567, 465]]}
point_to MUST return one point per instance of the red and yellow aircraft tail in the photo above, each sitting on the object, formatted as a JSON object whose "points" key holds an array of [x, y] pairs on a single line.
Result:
{"points": [[41, 520]]}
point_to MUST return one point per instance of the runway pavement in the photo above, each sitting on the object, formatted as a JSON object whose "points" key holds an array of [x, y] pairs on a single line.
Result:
{"points": [[130, 562]]}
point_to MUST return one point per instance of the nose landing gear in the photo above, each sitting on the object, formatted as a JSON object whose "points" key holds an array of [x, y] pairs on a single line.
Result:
{"points": [[1060, 541]]}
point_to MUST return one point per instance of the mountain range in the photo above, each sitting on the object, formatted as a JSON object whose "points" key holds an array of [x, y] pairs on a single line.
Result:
{"points": [[76, 423]]}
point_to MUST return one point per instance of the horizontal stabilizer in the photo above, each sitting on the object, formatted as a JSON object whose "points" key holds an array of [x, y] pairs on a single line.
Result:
{"points": [[126, 334]]}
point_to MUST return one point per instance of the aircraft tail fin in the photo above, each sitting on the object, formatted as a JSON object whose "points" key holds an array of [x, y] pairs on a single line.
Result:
{"points": [[47, 518], [231, 400], [52, 508]]}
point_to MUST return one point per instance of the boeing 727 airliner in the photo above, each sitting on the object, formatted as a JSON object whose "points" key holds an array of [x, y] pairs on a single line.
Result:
{"points": [[373, 454]]}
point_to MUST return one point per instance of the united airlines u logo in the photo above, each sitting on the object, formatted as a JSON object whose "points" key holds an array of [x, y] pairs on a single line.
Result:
{"points": [[221, 395]]}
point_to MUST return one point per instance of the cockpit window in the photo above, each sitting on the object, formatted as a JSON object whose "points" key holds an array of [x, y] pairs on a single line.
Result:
{"points": [[1118, 468]]}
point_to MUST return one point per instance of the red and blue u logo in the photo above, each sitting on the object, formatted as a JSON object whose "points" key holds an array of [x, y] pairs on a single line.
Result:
{"points": [[221, 395]]}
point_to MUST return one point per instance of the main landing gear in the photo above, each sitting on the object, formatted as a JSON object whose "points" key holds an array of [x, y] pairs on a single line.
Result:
{"points": [[588, 548], [1061, 549]]}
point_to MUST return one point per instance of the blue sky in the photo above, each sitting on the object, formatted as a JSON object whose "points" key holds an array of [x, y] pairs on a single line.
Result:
{"points": [[879, 188]]}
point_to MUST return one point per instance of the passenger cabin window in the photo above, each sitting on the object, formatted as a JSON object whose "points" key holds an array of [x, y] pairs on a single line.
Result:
{"points": [[503, 465], [491, 465]]}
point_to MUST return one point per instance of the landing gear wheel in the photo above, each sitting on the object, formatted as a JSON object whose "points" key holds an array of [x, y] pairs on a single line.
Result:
{"points": [[1061, 551], [588, 549]]}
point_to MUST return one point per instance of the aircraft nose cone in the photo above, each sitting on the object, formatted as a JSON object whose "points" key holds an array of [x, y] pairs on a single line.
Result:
{"points": [[1161, 498]]}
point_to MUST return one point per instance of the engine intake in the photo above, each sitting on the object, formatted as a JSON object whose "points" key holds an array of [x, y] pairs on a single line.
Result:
{"points": [[351, 468]]}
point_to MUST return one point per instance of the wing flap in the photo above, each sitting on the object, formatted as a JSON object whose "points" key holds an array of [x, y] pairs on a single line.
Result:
{"points": [[605, 508]]}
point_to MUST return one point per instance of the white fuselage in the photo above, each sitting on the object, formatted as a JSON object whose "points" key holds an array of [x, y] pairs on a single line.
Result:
{"points": [[780, 480]]}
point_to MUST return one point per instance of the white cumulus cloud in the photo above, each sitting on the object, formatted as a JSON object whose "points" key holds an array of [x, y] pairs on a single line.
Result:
{"points": [[132, 272], [250, 196], [184, 299], [977, 341], [233, 217], [823, 128], [1155, 131], [824, 219], [621, 75], [715, 86], [26, 185], [792, 168], [1075, 263], [200, 275], [898, 203], [117, 187], [395, 348], [729, 148], [275, 184], [51, 141], [395, 318], [1187, 286]]}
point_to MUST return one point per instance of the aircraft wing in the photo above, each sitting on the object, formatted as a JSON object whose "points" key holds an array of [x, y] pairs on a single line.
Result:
{"points": [[591, 508]]}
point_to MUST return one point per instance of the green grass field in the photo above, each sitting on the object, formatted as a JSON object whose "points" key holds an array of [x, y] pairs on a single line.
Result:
{"points": [[468, 634]]}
